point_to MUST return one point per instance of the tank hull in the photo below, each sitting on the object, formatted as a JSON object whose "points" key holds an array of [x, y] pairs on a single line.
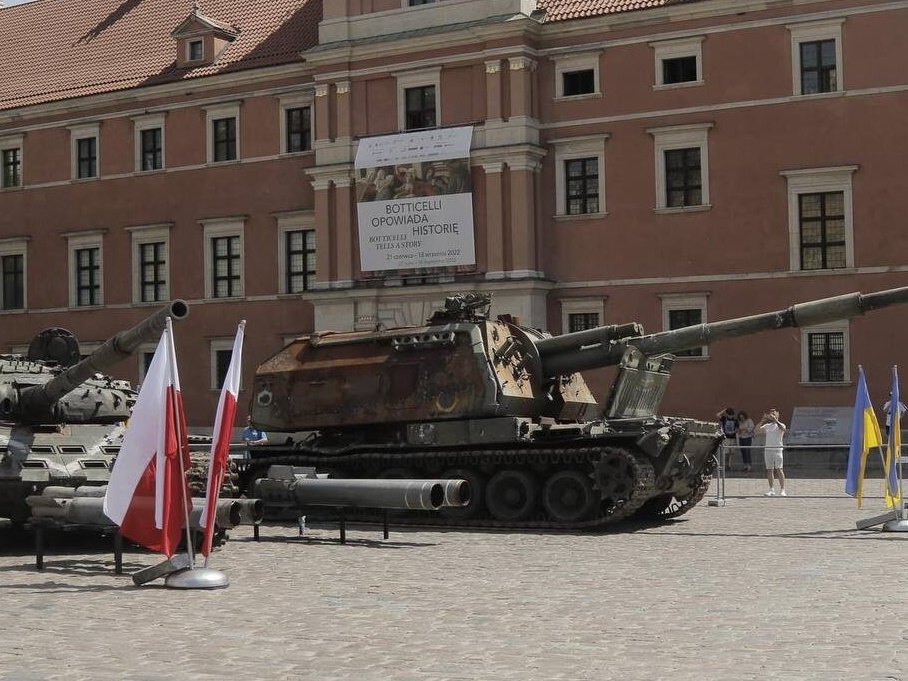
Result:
{"points": [[585, 476]]}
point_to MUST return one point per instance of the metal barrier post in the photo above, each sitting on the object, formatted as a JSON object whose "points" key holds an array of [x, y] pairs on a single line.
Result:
{"points": [[720, 477]]}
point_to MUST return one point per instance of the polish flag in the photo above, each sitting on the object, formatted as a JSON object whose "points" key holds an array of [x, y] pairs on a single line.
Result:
{"points": [[220, 447], [148, 491]]}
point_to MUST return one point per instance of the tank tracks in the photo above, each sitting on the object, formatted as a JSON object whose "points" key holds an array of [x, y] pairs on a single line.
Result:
{"points": [[624, 480]]}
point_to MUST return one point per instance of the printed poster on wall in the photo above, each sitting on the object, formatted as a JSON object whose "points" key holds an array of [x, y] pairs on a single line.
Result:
{"points": [[415, 200]]}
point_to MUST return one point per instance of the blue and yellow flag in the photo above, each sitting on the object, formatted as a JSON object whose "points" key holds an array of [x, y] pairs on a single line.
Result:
{"points": [[892, 486], [865, 435]]}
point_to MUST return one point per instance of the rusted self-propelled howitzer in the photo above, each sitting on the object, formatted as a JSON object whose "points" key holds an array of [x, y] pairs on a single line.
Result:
{"points": [[504, 407], [61, 419]]}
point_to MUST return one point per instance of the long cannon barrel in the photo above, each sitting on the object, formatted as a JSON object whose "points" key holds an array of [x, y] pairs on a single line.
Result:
{"points": [[588, 353], [114, 350]]}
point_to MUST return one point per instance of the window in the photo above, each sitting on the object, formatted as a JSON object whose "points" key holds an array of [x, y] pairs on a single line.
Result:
{"points": [[223, 124], [224, 133], [579, 314], [683, 180], [416, 3], [824, 354], [420, 107], [576, 75], [418, 103], [149, 142], [816, 57], [224, 258], [680, 311], [221, 350], [146, 354], [85, 156], [86, 268], [578, 82], [296, 122], [820, 218], [151, 263], [678, 62], [682, 167], [12, 274], [11, 161], [296, 239], [581, 186], [580, 175], [195, 50]]}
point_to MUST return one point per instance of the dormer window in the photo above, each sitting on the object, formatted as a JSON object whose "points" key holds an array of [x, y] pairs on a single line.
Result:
{"points": [[196, 50], [201, 40]]}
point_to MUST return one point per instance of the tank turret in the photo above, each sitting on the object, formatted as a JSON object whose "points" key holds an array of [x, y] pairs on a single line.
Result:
{"points": [[62, 425], [506, 407]]}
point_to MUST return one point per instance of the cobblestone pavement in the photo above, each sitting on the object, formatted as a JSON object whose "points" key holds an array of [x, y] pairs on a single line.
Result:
{"points": [[781, 588]]}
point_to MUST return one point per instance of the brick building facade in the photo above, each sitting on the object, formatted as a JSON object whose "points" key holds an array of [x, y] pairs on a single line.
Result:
{"points": [[663, 162]]}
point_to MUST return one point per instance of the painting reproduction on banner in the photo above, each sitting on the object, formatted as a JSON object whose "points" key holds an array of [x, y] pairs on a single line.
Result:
{"points": [[415, 200]]}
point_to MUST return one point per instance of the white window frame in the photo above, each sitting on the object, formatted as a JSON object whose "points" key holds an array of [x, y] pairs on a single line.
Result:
{"points": [[223, 227], [78, 241], [830, 29], [296, 101], [7, 143], [681, 137], [572, 63], [568, 149], [814, 181], [216, 345], [291, 222], [674, 49], [843, 326], [581, 306], [411, 79], [148, 234], [81, 132], [214, 113], [16, 246], [686, 301], [149, 122]]}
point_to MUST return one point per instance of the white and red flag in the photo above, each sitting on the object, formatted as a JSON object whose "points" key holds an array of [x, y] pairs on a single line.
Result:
{"points": [[148, 491], [220, 446]]}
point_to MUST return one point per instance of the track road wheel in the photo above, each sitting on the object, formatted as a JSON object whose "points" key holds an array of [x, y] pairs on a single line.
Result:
{"points": [[569, 497], [512, 495], [474, 507]]}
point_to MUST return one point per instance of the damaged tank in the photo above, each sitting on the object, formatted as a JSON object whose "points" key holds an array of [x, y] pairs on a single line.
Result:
{"points": [[506, 408], [62, 419]]}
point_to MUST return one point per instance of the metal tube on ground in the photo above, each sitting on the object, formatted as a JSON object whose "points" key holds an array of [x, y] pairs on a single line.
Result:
{"points": [[397, 494]]}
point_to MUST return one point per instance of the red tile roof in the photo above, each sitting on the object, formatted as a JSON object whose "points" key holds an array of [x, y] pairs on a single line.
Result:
{"points": [[59, 49], [562, 10]]}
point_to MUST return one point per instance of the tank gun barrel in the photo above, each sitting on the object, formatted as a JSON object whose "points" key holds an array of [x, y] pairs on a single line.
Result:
{"points": [[114, 350], [566, 359]]}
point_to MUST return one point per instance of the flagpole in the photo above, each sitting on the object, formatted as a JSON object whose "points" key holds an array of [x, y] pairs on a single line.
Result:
{"points": [[178, 427]]}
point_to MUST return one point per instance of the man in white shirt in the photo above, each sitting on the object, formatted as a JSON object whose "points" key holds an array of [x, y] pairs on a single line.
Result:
{"points": [[774, 430]]}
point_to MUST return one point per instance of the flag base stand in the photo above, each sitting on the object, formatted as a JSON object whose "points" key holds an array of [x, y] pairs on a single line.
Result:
{"points": [[897, 525], [197, 578]]}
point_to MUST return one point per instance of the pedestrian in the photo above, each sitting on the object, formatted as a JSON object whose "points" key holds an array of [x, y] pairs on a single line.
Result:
{"points": [[252, 435], [745, 438], [729, 426], [774, 430], [887, 409]]}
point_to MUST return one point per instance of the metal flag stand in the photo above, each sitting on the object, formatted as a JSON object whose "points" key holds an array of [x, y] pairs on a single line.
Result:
{"points": [[192, 577], [900, 522]]}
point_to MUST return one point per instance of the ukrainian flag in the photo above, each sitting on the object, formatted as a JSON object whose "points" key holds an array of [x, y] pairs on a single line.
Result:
{"points": [[865, 435], [893, 490]]}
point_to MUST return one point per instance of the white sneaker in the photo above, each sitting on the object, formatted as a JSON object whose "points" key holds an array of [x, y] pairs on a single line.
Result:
{"points": [[770, 493], [783, 493]]}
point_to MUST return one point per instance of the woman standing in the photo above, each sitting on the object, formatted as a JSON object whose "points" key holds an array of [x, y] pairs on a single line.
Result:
{"points": [[745, 438]]}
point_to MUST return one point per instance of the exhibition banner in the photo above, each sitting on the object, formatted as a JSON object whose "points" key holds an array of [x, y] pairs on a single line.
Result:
{"points": [[415, 200]]}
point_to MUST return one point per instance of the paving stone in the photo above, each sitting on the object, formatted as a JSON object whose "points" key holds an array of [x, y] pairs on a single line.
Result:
{"points": [[760, 588]]}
